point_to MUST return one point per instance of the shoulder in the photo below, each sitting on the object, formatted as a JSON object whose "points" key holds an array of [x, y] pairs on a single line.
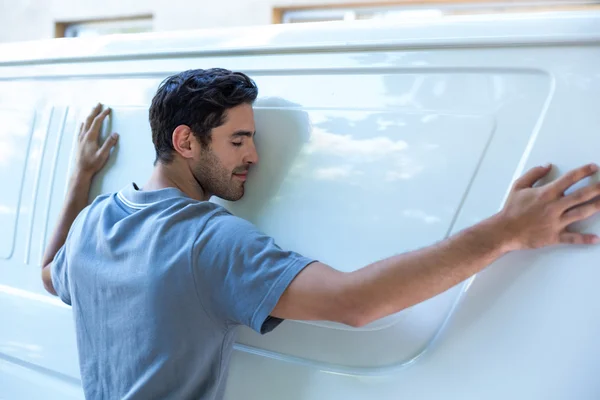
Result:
{"points": [[224, 229], [221, 220]]}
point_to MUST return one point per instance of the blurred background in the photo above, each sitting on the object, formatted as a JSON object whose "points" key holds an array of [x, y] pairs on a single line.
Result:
{"points": [[22, 20]]}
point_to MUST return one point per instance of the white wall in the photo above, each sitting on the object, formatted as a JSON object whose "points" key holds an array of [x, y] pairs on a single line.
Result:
{"points": [[35, 19]]}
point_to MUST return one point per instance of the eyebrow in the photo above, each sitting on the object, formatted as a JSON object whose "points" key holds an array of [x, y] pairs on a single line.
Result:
{"points": [[242, 133]]}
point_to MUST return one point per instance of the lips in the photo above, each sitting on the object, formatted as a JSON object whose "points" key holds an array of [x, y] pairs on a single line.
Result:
{"points": [[242, 176]]}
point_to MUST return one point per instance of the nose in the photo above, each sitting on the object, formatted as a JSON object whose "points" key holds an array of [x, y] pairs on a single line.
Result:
{"points": [[252, 155]]}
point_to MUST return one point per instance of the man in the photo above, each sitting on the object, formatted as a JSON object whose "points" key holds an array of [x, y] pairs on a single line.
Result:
{"points": [[159, 278]]}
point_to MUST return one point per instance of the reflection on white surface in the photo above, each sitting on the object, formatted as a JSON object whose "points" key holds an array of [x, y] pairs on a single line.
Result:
{"points": [[7, 151], [398, 201], [439, 88], [15, 125], [383, 124], [410, 98], [363, 186], [15, 128], [406, 169], [334, 173], [418, 214], [25, 294], [7, 210], [346, 146], [429, 118], [19, 348]]}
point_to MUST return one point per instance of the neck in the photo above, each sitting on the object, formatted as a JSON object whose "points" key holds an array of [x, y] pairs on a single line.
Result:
{"points": [[178, 176]]}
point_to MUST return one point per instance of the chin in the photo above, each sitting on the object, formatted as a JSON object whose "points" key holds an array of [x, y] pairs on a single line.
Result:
{"points": [[241, 196], [233, 196]]}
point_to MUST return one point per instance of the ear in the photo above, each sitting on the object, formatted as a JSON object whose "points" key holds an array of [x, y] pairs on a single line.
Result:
{"points": [[183, 140]]}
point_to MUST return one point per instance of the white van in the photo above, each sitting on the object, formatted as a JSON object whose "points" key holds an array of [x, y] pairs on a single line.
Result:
{"points": [[375, 138]]}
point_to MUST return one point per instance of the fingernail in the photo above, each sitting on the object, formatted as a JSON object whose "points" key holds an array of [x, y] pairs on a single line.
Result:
{"points": [[594, 167], [115, 136]]}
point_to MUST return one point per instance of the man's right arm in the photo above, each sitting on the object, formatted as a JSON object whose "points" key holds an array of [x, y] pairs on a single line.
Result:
{"points": [[533, 217]]}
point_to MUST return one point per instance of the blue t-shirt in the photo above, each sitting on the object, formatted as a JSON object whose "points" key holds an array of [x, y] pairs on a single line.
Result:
{"points": [[158, 283]]}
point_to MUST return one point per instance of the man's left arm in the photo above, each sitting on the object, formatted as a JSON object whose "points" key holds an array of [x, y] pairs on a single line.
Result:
{"points": [[91, 157]]}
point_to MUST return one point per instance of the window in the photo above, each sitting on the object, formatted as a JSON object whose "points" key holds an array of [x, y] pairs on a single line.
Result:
{"points": [[104, 26], [418, 9]]}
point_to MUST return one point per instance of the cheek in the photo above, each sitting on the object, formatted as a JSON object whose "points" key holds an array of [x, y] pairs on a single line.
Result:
{"points": [[225, 157]]}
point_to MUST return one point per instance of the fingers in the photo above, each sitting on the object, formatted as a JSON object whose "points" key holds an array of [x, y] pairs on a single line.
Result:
{"points": [[578, 238], [581, 212], [531, 177], [80, 130], [94, 130], [90, 118], [108, 144], [93, 122], [572, 177], [581, 196]]}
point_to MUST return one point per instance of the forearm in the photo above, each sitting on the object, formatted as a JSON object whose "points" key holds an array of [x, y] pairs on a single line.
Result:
{"points": [[393, 284], [75, 201]]}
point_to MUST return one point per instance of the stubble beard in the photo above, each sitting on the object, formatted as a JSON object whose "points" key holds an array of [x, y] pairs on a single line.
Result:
{"points": [[216, 180]]}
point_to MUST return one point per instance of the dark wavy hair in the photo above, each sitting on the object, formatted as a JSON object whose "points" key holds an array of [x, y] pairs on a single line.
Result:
{"points": [[199, 99]]}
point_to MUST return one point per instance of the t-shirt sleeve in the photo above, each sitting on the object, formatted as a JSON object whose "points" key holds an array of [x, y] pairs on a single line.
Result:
{"points": [[241, 273], [60, 277]]}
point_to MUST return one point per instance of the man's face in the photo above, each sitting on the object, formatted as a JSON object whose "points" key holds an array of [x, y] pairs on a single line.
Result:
{"points": [[222, 167]]}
